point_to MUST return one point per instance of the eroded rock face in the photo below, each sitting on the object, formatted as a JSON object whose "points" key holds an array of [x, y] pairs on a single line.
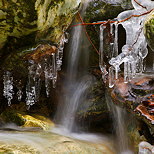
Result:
{"points": [[54, 17], [149, 29], [25, 121], [137, 97], [18, 18], [47, 142], [46, 19], [30, 31]]}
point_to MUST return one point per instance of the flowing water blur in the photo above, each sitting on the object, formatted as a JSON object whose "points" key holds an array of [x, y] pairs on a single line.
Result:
{"points": [[16, 140], [120, 118], [77, 82]]}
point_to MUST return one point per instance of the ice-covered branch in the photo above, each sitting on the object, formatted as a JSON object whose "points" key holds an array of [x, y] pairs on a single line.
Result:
{"points": [[130, 59]]}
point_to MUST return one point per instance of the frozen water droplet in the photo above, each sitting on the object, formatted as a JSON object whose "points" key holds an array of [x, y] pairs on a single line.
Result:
{"points": [[8, 87], [19, 94]]}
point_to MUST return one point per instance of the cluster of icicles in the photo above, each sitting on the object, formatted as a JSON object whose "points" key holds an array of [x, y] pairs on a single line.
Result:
{"points": [[49, 67], [133, 52]]}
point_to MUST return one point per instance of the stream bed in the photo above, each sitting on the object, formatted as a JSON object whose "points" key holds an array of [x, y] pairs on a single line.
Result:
{"points": [[31, 141]]}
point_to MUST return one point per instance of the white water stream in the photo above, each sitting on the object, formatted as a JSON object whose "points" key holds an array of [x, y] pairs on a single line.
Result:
{"points": [[76, 82]]}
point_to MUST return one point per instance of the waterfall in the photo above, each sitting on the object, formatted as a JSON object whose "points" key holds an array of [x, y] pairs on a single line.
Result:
{"points": [[77, 82], [120, 122]]}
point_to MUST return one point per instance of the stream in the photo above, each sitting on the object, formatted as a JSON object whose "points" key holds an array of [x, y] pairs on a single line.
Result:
{"points": [[31, 141]]}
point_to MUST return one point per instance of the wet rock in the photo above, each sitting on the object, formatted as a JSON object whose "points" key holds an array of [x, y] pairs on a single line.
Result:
{"points": [[49, 19], [93, 112], [40, 52], [149, 29], [22, 149], [24, 120], [18, 18], [137, 97], [25, 27], [46, 142], [54, 17]]}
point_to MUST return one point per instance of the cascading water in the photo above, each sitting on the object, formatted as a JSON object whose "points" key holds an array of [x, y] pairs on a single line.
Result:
{"points": [[76, 83], [119, 117], [130, 61]]}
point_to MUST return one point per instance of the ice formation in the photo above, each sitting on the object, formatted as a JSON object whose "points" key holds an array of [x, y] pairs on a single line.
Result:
{"points": [[47, 67], [19, 94], [133, 52], [8, 87]]}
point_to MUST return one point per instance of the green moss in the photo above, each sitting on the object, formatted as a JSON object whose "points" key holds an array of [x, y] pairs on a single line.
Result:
{"points": [[13, 117], [52, 25], [24, 120]]}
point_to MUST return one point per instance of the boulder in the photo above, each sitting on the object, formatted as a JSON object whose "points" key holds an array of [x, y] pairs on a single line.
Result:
{"points": [[24, 120], [46, 19], [47, 142]]}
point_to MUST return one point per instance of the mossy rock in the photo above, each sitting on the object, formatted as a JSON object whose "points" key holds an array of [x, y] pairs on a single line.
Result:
{"points": [[23, 23], [12, 117], [18, 18], [24, 120], [54, 17], [12, 149], [149, 29], [37, 121]]}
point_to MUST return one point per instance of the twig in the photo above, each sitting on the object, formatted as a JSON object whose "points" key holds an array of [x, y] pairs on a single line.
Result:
{"points": [[140, 4], [88, 34], [135, 16], [111, 21], [137, 36]]}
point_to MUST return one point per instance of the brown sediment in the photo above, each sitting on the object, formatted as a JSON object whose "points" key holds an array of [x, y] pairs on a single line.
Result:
{"points": [[41, 51], [136, 95], [144, 112]]}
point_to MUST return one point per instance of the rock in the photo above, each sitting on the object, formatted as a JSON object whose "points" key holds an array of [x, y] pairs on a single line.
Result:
{"points": [[40, 52], [149, 29], [25, 26], [12, 149], [54, 17], [49, 19], [24, 120], [47, 142], [137, 97], [18, 18], [93, 112]]}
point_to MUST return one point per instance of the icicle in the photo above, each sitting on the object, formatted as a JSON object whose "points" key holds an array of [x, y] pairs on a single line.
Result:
{"points": [[8, 87], [19, 94], [30, 88], [54, 70], [48, 74], [33, 85], [126, 72], [112, 40], [37, 81], [116, 72], [101, 54], [116, 40], [30, 93], [133, 67], [129, 71], [111, 77], [59, 54]]}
